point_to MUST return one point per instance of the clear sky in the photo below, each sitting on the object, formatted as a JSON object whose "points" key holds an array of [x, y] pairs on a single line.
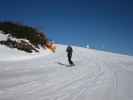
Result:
{"points": [[103, 24]]}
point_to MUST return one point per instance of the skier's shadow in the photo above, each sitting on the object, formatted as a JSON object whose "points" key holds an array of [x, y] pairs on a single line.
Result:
{"points": [[62, 64]]}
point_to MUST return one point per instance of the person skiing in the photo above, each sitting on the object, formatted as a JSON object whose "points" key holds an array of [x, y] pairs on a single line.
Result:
{"points": [[69, 51]]}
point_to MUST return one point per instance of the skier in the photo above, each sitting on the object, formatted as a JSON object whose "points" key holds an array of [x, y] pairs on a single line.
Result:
{"points": [[69, 51]]}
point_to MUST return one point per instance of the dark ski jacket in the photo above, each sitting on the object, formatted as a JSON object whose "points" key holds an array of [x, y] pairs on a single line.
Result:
{"points": [[69, 50]]}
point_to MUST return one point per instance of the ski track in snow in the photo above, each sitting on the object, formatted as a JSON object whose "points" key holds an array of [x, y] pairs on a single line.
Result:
{"points": [[97, 76]]}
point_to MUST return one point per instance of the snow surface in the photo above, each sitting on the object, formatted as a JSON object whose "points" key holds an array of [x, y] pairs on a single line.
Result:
{"points": [[97, 75], [3, 36], [9, 54]]}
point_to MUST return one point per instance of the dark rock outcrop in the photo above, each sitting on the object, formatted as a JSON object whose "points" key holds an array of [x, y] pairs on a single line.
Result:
{"points": [[22, 45]]}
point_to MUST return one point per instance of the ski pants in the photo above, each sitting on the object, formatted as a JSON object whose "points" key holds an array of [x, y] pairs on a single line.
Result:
{"points": [[70, 59]]}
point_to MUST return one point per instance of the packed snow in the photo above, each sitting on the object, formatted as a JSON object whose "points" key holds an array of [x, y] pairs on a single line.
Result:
{"points": [[97, 75]]}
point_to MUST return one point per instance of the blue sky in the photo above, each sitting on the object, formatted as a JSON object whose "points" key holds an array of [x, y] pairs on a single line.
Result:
{"points": [[104, 24]]}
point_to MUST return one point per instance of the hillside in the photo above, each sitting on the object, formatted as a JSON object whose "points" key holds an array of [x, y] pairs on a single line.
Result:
{"points": [[13, 54], [22, 37], [97, 75]]}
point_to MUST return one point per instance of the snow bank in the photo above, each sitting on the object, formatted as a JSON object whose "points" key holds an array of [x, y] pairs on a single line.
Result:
{"points": [[8, 54], [13, 54]]}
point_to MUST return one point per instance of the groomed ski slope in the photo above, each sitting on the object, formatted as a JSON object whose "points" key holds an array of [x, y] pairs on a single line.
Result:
{"points": [[97, 76]]}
